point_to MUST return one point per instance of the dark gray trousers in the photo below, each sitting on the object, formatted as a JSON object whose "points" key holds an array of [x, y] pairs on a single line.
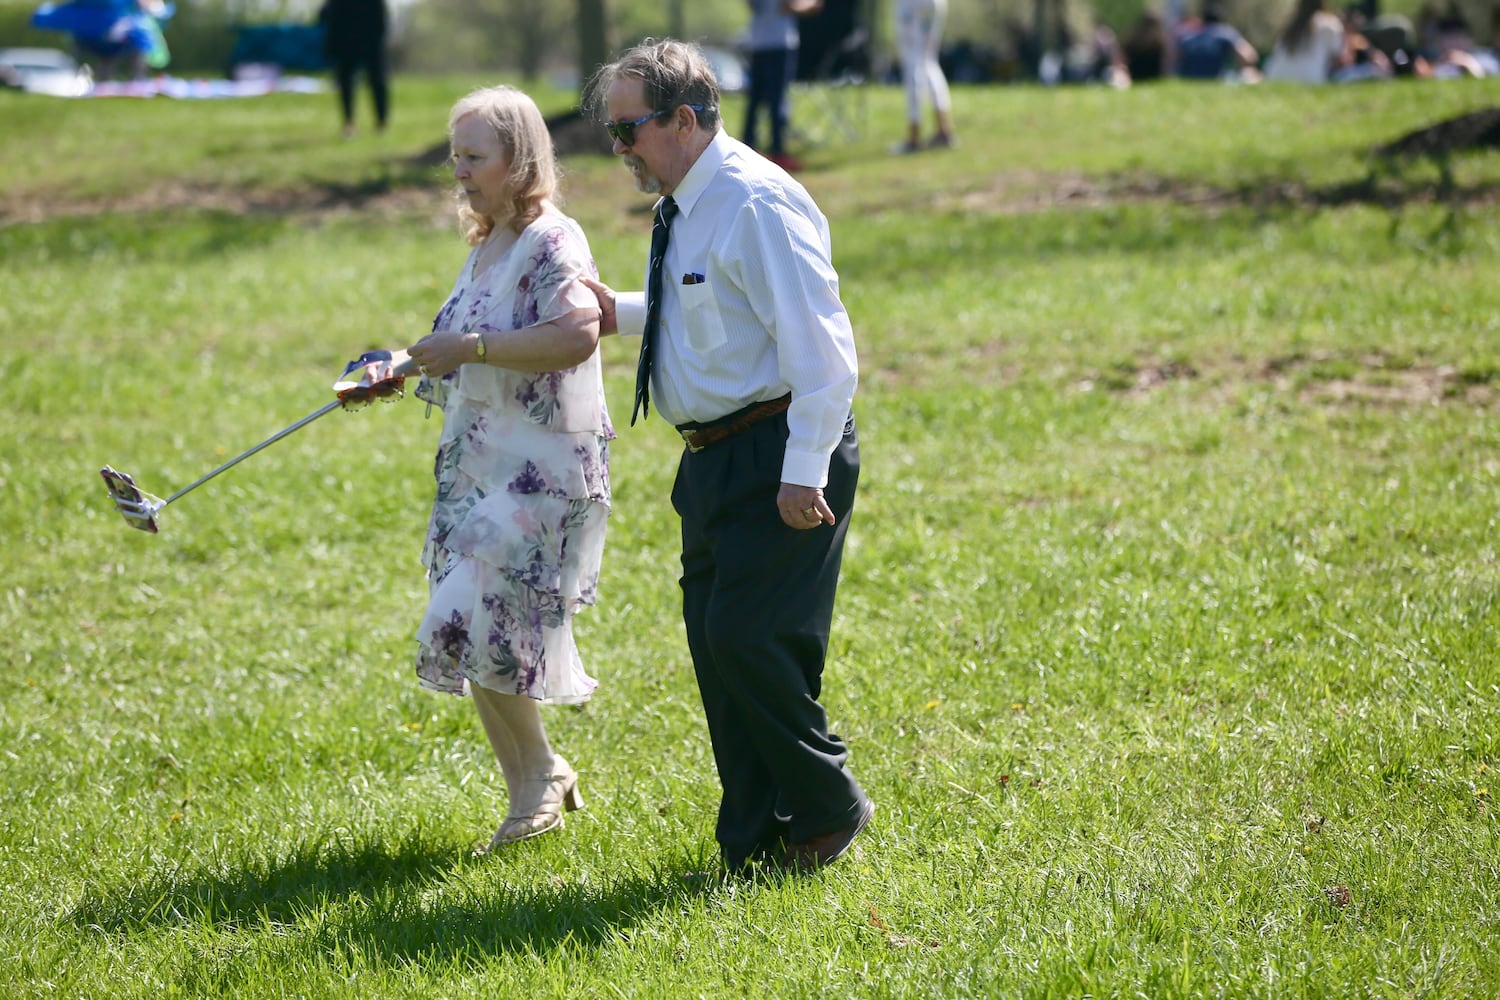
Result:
{"points": [[757, 600]]}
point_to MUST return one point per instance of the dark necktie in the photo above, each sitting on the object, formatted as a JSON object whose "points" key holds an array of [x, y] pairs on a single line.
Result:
{"points": [[664, 214]]}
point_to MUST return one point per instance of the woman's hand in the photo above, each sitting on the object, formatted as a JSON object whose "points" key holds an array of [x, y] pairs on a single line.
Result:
{"points": [[437, 354]]}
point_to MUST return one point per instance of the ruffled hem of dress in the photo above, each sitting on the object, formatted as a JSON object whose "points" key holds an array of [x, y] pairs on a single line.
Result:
{"points": [[463, 690], [485, 627]]}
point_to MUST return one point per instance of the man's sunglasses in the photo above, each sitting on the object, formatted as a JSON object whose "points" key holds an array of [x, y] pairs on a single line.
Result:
{"points": [[624, 132]]}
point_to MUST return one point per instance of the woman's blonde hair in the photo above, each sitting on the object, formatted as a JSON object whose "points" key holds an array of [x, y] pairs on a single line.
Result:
{"points": [[523, 134]]}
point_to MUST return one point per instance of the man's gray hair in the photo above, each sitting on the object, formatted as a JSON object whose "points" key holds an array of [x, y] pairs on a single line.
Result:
{"points": [[672, 73]]}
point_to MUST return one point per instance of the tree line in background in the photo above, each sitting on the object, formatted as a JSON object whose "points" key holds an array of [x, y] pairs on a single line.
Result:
{"points": [[561, 39]]}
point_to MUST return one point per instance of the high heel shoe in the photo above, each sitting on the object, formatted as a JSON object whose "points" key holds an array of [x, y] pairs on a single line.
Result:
{"points": [[540, 808]]}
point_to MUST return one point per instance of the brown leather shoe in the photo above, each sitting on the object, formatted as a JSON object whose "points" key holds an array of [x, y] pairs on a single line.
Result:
{"points": [[810, 855]]}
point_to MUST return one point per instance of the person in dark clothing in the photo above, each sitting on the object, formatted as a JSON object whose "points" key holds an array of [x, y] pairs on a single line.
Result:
{"points": [[354, 41], [1145, 48], [1213, 49], [751, 357], [772, 44]]}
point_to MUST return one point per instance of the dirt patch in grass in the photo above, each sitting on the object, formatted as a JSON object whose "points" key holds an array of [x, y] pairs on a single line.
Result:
{"points": [[1319, 378], [1374, 379], [1019, 193], [313, 202], [1004, 193], [1316, 378]]}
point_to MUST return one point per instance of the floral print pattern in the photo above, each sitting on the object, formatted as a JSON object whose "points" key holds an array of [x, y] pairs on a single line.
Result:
{"points": [[516, 536]]}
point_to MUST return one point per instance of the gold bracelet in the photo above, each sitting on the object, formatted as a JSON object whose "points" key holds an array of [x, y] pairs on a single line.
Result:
{"points": [[479, 345]]}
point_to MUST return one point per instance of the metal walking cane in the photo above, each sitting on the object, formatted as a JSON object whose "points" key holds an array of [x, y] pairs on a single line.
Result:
{"points": [[140, 508]]}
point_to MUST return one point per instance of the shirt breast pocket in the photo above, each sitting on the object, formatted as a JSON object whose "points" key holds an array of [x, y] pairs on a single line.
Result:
{"points": [[700, 316]]}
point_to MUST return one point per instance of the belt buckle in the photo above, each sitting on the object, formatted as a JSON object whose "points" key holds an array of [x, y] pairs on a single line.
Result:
{"points": [[687, 439]]}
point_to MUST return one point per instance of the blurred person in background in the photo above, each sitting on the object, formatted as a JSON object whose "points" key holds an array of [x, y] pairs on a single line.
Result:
{"points": [[1213, 49], [1104, 60], [1362, 61], [1449, 44], [772, 44], [919, 33], [119, 37], [1145, 48], [1390, 38], [1310, 46], [354, 40]]}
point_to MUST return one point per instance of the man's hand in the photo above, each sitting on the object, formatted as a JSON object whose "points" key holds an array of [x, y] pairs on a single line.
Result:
{"points": [[606, 297], [803, 507]]}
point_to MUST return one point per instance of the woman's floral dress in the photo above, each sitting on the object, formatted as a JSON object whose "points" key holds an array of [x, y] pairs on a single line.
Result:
{"points": [[517, 530]]}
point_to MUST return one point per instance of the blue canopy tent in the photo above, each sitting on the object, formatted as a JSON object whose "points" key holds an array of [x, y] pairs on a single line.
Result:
{"points": [[286, 46]]}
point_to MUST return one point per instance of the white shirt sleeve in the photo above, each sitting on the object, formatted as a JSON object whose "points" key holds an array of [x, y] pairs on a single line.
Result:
{"points": [[793, 288], [630, 313]]}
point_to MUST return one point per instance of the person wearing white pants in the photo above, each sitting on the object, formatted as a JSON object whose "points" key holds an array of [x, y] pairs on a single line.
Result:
{"points": [[919, 31]]}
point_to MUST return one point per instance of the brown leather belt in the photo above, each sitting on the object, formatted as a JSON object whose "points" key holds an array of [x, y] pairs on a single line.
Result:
{"points": [[700, 436]]}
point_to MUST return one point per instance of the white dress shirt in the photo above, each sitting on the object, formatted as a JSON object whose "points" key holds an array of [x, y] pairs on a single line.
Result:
{"points": [[1310, 63], [750, 307]]}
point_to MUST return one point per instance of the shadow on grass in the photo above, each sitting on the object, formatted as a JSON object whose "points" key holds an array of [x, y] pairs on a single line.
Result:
{"points": [[395, 902]]}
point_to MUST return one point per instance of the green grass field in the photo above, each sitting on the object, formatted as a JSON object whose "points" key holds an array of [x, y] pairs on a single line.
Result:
{"points": [[1166, 637]]}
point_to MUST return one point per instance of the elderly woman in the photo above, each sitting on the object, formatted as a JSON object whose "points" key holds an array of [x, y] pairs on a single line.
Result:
{"points": [[517, 529]]}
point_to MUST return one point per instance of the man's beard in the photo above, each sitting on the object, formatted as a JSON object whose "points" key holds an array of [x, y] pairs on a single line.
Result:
{"points": [[645, 181]]}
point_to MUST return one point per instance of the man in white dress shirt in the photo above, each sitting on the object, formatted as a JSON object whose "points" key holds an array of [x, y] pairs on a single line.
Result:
{"points": [[750, 354]]}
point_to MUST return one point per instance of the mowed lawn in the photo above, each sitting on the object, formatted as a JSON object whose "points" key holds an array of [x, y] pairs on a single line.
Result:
{"points": [[1165, 644]]}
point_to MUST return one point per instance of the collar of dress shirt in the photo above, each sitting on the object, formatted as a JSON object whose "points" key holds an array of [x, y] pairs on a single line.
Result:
{"points": [[702, 171]]}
